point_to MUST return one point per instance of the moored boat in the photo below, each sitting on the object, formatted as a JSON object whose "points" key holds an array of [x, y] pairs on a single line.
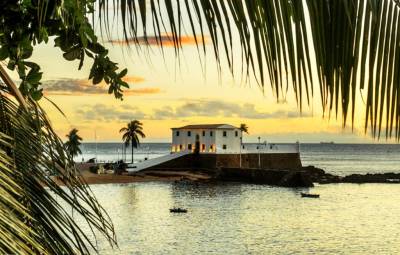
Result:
{"points": [[178, 210], [309, 195]]}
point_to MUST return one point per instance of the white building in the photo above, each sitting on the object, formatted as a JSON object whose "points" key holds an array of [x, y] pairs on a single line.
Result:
{"points": [[210, 138]]}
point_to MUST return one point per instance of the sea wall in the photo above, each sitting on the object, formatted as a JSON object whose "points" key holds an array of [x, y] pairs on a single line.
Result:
{"points": [[281, 169], [283, 178], [273, 161], [287, 161]]}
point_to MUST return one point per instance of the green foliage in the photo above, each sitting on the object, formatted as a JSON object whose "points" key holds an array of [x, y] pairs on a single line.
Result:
{"points": [[93, 169], [35, 212], [26, 23]]}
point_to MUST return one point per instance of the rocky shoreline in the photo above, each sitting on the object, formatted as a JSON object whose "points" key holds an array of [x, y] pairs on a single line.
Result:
{"points": [[302, 177], [318, 175]]}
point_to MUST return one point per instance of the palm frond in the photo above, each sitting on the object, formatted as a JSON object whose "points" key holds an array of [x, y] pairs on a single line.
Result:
{"points": [[356, 45], [30, 152], [16, 236]]}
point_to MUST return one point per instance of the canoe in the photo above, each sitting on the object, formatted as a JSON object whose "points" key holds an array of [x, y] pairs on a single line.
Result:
{"points": [[177, 210], [309, 195]]}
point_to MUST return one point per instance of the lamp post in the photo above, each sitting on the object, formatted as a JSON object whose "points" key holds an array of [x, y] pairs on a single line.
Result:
{"points": [[259, 157], [95, 140], [240, 153]]}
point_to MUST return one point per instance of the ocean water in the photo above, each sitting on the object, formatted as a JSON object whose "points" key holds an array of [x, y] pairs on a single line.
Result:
{"points": [[340, 159], [234, 218]]}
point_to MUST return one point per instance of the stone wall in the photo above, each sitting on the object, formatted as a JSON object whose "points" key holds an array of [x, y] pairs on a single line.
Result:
{"points": [[285, 161]]}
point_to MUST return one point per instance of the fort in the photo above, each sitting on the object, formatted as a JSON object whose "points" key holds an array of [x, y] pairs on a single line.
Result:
{"points": [[217, 149]]}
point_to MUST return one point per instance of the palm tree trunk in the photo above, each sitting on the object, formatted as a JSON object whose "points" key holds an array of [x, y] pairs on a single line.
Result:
{"points": [[132, 153], [240, 149]]}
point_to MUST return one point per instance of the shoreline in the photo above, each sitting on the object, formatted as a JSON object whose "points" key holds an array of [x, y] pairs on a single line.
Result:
{"points": [[315, 175], [144, 176]]}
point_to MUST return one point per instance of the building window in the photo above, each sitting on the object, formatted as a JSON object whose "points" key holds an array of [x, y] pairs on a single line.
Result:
{"points": [[203, 147], [189, 146], [177, 133], [204, 133], [212, 148], [236, 133], [211, 133], [189, 133], [180, 147], [224, 133], [224, 146]]}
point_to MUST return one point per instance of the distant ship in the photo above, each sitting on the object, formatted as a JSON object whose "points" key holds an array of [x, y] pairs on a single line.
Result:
{"points": [[327, 143]]}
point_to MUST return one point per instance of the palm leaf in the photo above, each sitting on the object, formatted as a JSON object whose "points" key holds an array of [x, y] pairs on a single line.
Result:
{"points": [[29, 152], [355, 44]]}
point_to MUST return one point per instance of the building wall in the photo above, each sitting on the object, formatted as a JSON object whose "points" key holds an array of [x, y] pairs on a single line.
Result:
{"points": [[212, 143], [278, 161], [264, 161], [183, 139], [231, 141]]}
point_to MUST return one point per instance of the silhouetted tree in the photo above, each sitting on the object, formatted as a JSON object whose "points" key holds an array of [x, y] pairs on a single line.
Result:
{"points": [[131, 134]]}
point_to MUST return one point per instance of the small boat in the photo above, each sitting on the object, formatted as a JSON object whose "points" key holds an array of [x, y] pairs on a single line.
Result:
{"points": [[309, 195], [178, 210]]}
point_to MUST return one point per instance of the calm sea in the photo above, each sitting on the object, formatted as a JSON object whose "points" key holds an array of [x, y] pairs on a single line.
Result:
{"points": [[340, 159], [233, 218]]}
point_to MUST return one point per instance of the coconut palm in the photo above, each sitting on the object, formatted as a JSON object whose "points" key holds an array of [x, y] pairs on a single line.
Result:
{"points": [[348, 46], [244, 128], [73, 143], [131, 134]]}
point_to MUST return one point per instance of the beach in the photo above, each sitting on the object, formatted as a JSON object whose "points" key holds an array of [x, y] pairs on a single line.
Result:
{"points": [[145, 176]]}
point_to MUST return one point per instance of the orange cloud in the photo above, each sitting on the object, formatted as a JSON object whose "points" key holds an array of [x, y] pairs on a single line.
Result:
{"points": [[128, 79], [166, 40], [133, 79], [75, 87], [142, 91]]}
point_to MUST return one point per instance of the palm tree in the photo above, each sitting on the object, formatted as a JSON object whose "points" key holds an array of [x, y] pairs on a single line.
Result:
{"points": [[348, 46], [131, 134], [73, 143], [244, 128]]}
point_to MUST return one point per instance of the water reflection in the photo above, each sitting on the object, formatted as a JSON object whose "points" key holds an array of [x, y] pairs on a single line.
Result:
{"points": [[206, 190], [237, 218]]}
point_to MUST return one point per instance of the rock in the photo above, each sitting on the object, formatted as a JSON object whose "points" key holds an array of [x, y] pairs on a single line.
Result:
{"points": [[371, 178], [296, 179], [312, 170]]}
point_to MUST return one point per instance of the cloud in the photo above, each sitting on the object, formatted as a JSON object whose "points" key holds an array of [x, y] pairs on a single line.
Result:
{"points": [[167, 40], [213, 108], [105, 113], [196, 108], [76, 87]]}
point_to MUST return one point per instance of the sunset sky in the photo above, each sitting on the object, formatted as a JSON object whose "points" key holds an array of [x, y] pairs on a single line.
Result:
{"points": [[168, 92]]}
